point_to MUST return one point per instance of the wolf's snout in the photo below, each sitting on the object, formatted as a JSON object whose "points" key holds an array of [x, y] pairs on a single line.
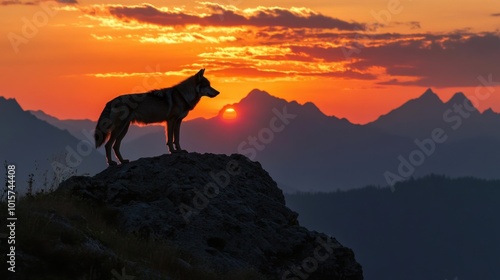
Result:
{"points": [[214, 92]]}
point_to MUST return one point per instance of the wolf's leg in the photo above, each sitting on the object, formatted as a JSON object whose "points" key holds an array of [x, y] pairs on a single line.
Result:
{"points": [[115, 132], [108, 150], [177, 132], [116, 146], [170, 133]]}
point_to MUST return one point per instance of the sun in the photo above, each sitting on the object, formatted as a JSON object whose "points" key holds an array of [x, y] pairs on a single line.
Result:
{"points": [[229, 114]]}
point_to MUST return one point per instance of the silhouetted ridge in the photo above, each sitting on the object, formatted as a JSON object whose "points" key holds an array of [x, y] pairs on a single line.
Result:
{"points": [[426, 105], [257, 101], [312, 108], [429, 94], [489, 112], [443, 227], [429, 98], [10, 105], [459, 98], [258, 97], [224, 211]]}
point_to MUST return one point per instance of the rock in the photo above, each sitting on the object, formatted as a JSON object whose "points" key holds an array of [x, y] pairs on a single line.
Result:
{"points": [[224, 211]]}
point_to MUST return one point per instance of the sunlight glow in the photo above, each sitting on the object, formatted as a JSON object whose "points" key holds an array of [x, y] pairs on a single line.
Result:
{"points": [[229, 114]]}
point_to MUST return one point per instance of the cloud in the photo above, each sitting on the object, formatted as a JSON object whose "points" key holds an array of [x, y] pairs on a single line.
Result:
{"points": [[428, 60], [141, 74], [495, 15], [440, 61], [299, 43], [184, 37], [221, 15], [16, 2], [410, 24], [67, 1], [32, 3]]}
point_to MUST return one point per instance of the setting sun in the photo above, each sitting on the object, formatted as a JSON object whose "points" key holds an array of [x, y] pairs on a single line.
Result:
{"points": [[229, 114]]}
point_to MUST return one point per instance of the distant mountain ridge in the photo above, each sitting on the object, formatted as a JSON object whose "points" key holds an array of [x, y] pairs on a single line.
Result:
{"points": [[83, 129], [38, 148], [434, 227], [418, 115], [305, 150]]}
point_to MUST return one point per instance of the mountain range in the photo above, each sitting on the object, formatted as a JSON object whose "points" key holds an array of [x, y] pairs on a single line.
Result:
{"points": [[41, 151], [432, 227], [306, 150]]}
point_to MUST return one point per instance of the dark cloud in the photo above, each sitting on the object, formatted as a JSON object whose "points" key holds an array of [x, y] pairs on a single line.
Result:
{"points": [[348, 74], [220, 16], [16, 2], [322, 53], [282, 17], [410, 24], [67, 1], [249, 72], [450, 61], [429, 60], [255, 72], [32, 3], [150, 14], [495, 15]]}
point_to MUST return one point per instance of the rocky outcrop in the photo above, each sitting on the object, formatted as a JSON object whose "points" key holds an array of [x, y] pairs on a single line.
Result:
{"points": [[225, 212]]}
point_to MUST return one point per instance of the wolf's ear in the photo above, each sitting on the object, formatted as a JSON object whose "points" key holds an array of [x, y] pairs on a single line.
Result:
{"points": [[200, 73]]}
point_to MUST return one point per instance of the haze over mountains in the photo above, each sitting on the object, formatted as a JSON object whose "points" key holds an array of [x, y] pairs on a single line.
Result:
{"points": [[428, 228], [305, 150], [38, 148]]}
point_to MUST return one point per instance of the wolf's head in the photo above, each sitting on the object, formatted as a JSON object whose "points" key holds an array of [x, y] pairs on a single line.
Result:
{"points": [[203, 85]]}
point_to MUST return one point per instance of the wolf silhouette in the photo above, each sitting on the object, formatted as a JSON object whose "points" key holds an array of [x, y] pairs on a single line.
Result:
{"points": [[168, 104]]}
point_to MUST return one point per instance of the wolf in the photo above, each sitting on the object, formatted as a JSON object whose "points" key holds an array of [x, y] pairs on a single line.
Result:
{"points": [[168, 104]]}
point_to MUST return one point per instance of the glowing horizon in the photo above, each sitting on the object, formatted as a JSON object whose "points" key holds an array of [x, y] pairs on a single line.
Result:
{"points": [[353, 60]]}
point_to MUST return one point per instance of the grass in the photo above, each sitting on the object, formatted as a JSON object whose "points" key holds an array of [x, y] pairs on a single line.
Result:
{"points": [[61, 233]]}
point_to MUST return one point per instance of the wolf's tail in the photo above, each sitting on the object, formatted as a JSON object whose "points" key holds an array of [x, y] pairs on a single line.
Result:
{"points": [[103, 127]]}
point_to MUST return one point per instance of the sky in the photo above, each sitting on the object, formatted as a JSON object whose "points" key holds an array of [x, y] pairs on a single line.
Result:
{"points": [[355, 59]]}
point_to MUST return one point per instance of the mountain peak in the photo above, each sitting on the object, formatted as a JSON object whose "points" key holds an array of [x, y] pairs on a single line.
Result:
{"points": [[461, 98], [9, 105], [458, 98], [258, 92], [489, 112], [429, 92], [257, 96], [258, 101], [429, 95], [255, 101], [411, 111], [428, 99]]}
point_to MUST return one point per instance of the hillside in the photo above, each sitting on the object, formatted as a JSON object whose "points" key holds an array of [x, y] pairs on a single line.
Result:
{"points": [[183, 216], [429, 228], [38, 148]]}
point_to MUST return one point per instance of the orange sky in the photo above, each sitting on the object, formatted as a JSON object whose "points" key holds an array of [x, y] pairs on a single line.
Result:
{"points": [[354, 59]]}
